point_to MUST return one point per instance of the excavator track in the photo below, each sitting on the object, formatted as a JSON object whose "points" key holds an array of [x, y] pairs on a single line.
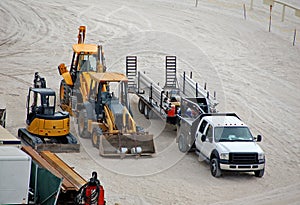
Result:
{"points": [[37, 143]]}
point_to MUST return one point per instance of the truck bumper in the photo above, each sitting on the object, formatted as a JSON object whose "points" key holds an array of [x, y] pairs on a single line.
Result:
{"points": [[242, 167]]}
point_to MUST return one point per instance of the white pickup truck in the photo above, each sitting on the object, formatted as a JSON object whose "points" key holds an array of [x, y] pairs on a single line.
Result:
{"points": [[221, 139]]}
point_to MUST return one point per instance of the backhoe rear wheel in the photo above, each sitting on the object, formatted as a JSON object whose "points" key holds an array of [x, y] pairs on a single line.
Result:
{"points": [[64, 93], [83, 124]]}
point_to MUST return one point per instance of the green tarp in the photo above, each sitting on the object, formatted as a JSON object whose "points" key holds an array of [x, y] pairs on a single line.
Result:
{"points": [[45, 185]]}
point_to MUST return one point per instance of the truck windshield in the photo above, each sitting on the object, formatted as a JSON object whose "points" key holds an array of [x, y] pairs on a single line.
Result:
{"points": [[225, 134]]}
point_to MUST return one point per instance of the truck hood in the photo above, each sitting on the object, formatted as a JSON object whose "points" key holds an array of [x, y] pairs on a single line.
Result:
{"points": [[228, 147]]}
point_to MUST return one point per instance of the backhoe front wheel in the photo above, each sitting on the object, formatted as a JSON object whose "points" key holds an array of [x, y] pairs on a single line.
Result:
{"points": [[97, 132], [83, 124]]}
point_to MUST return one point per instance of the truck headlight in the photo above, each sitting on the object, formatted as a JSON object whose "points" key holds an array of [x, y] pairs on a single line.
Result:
{"points": [[224, 156], [261, 156]]}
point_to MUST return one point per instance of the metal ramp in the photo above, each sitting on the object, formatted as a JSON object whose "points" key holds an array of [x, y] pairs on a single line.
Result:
{"points": [[131, 72], [171, 79]]}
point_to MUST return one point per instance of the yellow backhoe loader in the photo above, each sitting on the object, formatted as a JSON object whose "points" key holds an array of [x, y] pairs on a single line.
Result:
{"points": [[86, 58], [105, 116]]}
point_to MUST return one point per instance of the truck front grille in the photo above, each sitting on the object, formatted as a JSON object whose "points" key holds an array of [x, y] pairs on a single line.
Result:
{"points": [[243, 158]]}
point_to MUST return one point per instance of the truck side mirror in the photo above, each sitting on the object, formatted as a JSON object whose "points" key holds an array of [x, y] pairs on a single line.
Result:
{"points": [[259, 138], [203, 138]]}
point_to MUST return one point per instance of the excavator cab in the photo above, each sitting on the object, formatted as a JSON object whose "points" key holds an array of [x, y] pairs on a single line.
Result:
{"points": [[42, 103]]}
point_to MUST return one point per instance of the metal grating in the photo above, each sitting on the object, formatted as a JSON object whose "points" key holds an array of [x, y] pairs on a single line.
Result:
{"points": [[171, 78], [131, 71], [243, 158]]}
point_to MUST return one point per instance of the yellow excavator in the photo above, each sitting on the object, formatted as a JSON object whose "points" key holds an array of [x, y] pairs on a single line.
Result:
{"points": [[87, 58], [46, 129]]}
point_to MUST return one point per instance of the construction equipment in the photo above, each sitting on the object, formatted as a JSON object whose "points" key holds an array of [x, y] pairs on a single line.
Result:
{"points": [[86, 58], [46, 129], [105, 116]]}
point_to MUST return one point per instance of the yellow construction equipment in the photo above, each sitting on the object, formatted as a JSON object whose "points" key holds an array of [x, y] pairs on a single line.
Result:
{"points": [[46, 129], [85, 94], [86, 58], [105, 115]]}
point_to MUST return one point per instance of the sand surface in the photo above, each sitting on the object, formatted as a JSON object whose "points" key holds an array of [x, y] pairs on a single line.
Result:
{"points": [[255, 73]]}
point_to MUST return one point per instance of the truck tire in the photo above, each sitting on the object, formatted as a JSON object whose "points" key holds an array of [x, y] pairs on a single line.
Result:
{"points": [[97, 132], [141, 106], [182, 144], [83, 124], [215, 167], [259, 173], [64, 93]]}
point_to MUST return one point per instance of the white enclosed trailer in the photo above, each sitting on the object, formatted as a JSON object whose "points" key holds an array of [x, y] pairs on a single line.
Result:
{"points": [[15, 168]]}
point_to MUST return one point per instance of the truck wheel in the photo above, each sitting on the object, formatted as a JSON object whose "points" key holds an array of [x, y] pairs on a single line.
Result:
{"points": [[97, 132], [259, 173], [83, 124], [64, 93], [141, 106], [215, 167], [182, 143]]}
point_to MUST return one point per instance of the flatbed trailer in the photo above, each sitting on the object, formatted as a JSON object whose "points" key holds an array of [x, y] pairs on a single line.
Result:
{"points": [[6, 138], [164, 101]]}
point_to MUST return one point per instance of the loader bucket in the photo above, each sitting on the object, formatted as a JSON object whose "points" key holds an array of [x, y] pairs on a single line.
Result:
{"points": [[112, 145]]}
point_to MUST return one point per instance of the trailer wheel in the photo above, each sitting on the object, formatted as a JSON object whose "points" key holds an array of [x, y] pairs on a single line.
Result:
{"points": [[259, 173], [97, 132], [141, 106], [83, 124], [215, 167], [182, 143], [64, 93], [147, 110]]}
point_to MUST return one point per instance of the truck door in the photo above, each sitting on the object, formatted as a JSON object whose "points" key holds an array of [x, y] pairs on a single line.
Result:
{"points": [[199, 133], [208, 143]]}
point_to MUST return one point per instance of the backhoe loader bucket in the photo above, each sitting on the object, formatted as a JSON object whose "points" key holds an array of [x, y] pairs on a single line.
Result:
{"points": [[126, 145]]}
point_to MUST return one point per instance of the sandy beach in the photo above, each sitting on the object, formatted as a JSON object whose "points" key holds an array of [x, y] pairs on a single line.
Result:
{"points": [[255, 73]]}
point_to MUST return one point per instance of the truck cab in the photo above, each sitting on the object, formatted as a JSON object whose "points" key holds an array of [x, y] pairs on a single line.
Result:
{"points": [[224, 141], [227, 143]]}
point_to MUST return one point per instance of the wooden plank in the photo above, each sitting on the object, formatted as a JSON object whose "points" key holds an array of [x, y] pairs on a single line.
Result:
{"points": [[66, 185], [64, 169]]}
